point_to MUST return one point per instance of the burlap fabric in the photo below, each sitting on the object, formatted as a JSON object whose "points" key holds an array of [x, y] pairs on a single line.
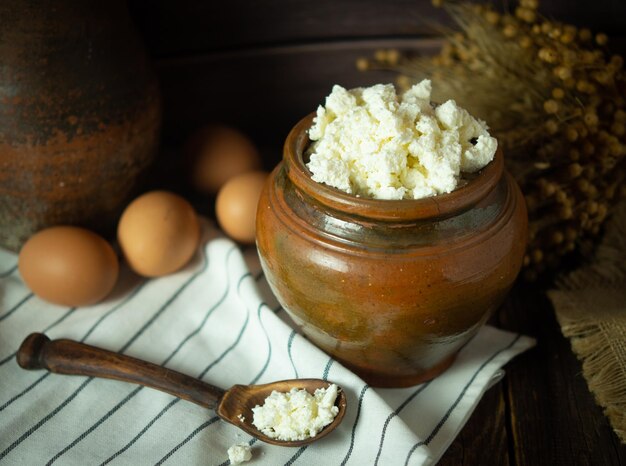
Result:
{"points": [[590, 306]]}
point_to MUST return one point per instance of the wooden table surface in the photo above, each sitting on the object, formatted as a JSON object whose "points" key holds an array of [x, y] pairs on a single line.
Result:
{"points": [[542, 412]]}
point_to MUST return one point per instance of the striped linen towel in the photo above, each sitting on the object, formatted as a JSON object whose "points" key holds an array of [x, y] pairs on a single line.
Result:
{"points": [[216, 320]]}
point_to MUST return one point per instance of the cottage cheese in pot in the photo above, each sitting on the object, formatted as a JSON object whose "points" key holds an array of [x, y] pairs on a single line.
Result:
{"points": [[370, 142]]}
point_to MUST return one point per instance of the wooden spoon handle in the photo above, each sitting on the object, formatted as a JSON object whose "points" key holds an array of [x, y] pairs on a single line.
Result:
{"points": [[71, 357]]}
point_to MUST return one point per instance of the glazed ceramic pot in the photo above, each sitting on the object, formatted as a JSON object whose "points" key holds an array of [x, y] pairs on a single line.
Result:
{"points": [[80, 114], [391, 289]]}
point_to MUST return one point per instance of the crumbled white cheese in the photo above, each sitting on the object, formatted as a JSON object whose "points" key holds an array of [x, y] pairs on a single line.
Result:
{"points": [[296, 415], [370, 143], [239, 453]]}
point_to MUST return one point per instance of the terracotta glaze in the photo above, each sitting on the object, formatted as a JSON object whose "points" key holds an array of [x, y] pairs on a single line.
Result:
{"points": [[391, 289]]}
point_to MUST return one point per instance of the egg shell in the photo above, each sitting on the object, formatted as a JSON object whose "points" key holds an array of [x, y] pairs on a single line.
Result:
{"points": [[158, 233], [68, 265], [236, 204], [216, 154]]}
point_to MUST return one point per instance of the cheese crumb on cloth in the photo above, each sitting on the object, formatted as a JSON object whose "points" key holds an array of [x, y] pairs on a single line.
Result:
{"points": [[239, 453], [371, 143], [215, 320]]}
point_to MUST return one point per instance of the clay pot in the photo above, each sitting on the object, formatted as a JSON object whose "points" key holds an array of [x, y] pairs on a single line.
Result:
{"points": [[79, 115], [392, 289]]}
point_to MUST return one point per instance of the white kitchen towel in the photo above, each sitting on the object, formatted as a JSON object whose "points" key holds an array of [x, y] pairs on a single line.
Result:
{"points": [[216, 320]]}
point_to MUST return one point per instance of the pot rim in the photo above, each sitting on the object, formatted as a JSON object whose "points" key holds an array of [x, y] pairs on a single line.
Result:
{"points": [[441, 205]]}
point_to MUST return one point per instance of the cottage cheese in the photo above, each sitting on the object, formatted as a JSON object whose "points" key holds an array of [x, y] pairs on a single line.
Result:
{"points": [[296, 415], [239, 453], [370, 143]]}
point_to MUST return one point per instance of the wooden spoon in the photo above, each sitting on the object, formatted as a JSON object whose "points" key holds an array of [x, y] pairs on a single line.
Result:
{"points": [[233, 405]]}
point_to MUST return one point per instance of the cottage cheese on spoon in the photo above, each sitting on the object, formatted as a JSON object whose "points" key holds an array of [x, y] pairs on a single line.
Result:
{"points": [[296, 415], [371, 143]]}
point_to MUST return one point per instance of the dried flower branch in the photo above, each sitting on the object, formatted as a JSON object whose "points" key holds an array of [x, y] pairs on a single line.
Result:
{"points": [[553, 96]]}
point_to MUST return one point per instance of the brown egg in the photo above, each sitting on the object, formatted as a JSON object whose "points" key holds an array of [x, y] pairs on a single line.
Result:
{"points": [[216, 154], [68, 265], [236, 205], [158, 233]]}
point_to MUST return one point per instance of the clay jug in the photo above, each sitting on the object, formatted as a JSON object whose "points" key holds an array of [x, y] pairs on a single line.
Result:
{"points": [[79, 115]]}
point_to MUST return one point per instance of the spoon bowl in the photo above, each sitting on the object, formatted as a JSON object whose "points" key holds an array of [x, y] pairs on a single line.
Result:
{"points": [[234, 405]]}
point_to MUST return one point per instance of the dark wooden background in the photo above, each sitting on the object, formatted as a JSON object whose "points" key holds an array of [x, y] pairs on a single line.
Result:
{"points": [[261, 66]]}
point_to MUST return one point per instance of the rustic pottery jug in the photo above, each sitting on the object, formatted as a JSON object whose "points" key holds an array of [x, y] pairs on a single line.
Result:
{"points": [[79, 115], [391, 289]]}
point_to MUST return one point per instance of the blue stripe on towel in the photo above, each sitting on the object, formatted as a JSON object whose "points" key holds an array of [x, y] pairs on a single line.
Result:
{"points": [[211, 421], [356, 421], [173, 402], [154, 317], [410, 398], [16, 307], [8, 272], [172, 354], [445, 417]]}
